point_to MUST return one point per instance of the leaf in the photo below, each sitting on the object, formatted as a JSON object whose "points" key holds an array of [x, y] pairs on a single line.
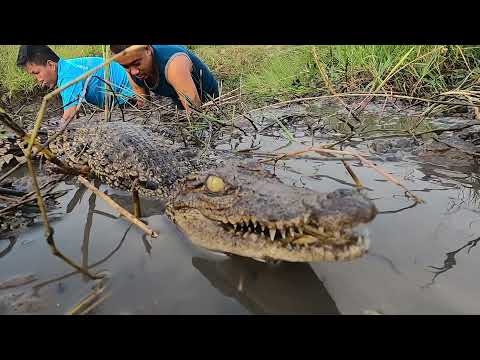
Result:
{"points": [[7, 158]]}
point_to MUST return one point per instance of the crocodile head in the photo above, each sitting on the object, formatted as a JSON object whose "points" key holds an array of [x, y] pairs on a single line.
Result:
{"points": [[250, 212]]}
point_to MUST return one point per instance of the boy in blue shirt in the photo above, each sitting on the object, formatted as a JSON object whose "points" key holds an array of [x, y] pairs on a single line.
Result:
{"points": [[169, 70], [51, 70]]}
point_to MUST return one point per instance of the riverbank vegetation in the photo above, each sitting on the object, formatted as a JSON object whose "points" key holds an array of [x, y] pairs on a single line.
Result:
{"points": [[276, 73]]}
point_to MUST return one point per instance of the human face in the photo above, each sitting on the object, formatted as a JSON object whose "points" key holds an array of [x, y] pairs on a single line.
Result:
{"points": [[46, 75], [138, 63]]}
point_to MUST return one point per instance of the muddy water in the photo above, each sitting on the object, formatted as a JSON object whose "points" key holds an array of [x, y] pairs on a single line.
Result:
{"points": [[168, 275]]}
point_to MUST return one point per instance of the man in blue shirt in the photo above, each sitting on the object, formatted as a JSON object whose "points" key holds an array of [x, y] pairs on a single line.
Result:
{"points": [[51, 70], [169, 70]]}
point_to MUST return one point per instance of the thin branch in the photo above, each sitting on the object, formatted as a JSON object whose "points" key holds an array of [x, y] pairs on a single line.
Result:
{"points": [[118, 208]]}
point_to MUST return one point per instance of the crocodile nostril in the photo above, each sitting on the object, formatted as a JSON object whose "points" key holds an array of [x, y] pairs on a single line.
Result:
{"points": [[149, 184]]}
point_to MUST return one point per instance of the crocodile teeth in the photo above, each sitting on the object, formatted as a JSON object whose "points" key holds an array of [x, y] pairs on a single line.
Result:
{"points": [[300, 230], [329, 256], [306, 218], [272, 233], [235, 226], [283, 232], [263, 227], [292, 232]]}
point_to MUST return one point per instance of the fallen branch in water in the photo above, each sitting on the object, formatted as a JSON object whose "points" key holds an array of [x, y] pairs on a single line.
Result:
{"points": [[342, 95], [118, 208], [366, 162], [30, 197], [92, 300], [411, 134], [473, 154], [36, 288], [12, 170], [38, 148]]}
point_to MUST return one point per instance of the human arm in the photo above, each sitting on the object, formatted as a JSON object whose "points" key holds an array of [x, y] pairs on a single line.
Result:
{"points": [[142, 93], [179, 76], [70, 99], [68, 115]]}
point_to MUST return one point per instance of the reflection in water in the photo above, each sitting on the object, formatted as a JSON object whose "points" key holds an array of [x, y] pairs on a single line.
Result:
{"points": [[149, 207], [77, 197], [12, 240], [466, 181], [450, 261], [87, 231], [320, 177], [37, 287], [153, 207], [285, 288], [398, 210], [385, 259]]}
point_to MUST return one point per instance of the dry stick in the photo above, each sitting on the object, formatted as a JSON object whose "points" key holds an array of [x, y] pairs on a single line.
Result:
{"points": [[352, 128], [95, 304], [7, 121], [38, 286], [24, 200], [352, 174], [221, 110], [435, 131], [339, 141], [474, 154], [374, 167], [48, 229], [12, 170], [118, 208], [330, 86], [344, 152], [360, 95], [89, 302], [9, 199], [137, 211]]}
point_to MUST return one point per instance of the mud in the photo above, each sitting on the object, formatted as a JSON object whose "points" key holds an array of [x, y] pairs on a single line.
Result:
{"points": [[423, 257]]}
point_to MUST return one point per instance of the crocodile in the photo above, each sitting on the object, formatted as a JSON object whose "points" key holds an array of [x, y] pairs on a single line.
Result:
{"points": [[221, 201]]}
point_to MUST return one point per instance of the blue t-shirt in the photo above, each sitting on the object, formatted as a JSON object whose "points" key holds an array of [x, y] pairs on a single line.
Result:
{"points": [[70, 69], [205, 81]]}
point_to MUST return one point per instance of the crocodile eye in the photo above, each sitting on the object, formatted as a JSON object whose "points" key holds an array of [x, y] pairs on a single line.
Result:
{"points": [[215, 184]]}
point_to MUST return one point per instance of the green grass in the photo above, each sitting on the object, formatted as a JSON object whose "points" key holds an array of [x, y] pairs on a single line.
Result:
{"points": [[282, 72], [273, 73]]}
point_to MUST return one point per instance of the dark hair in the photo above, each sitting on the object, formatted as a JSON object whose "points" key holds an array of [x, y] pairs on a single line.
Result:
{"points": [[118, 48], [36, 54]]}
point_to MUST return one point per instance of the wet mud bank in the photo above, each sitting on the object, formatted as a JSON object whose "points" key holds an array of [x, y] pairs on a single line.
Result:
{"points": [[422, 257]]}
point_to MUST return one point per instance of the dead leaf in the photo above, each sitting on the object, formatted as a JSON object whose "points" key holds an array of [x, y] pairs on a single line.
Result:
{"points": [[7, 158]]}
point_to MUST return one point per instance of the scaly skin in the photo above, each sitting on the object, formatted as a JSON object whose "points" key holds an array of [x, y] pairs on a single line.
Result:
{"points": [[221, 203]]}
